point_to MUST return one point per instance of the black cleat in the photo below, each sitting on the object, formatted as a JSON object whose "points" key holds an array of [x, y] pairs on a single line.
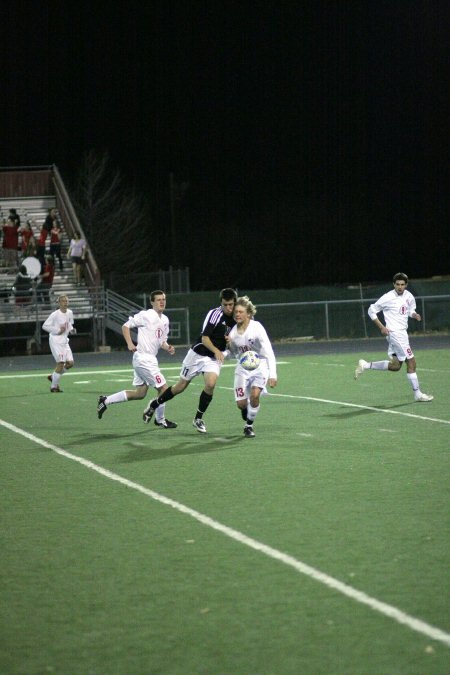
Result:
{"points": [[248, 431], [101, 407], [167, 424], [148, 413], [56, 390]]}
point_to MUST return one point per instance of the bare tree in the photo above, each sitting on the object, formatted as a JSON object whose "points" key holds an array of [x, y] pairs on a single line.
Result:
{"points": [[115, 218]]}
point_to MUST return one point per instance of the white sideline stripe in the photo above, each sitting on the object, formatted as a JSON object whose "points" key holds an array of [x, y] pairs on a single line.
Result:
{"points": [[76, 373], [359, 596], [355, 405]]}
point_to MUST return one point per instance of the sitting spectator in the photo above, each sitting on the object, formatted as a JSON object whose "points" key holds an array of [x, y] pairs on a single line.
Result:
{"points": [[55, 243], [46, 282], [23, 286], [28, 241], [77, 253], [10, 243], [40, 248]]}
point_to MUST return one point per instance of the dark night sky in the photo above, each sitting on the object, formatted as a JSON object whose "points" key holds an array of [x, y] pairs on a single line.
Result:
{"points": [[312, 133]]}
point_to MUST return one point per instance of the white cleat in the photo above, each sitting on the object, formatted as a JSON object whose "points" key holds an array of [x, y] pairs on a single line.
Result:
{"points": [[360, 368], [199, 425], [424, 398]]}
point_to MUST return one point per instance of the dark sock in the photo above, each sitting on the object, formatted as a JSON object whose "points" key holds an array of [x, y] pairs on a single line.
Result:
{"points": [[204, 401], [244, 413], [163, 398]]}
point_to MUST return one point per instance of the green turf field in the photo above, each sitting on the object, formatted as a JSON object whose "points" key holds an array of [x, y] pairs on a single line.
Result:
{"points": [[320, 546]]}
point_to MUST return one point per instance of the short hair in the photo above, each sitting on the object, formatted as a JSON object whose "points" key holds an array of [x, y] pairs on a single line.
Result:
{"points": [[60, 297], [228, 294], [400, 276], [244, 301], [153, 294]]}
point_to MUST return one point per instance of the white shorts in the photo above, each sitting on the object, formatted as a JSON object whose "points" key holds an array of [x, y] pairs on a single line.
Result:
{"points": [[194, 364], [146, 371], [399, 345], [244, 380], [61, 351]]}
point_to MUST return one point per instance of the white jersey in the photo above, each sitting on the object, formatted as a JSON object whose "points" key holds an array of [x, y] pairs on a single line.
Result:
{"points": [[396, 309], [153, 330], [55, 322], [254, 338]]}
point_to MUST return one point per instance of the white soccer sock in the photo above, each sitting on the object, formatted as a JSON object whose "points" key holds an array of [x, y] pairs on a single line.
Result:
{"points": [[159, 413], [379, 365], [412, 377], [55, 379], [251, 413], [120, 397]]}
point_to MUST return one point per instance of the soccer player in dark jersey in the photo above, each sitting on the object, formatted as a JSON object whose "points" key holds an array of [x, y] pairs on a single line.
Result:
{"points": [[204, 357]]}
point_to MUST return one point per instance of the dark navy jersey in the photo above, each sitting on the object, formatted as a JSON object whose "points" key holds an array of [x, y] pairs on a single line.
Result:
{"points": [[216, 325]]}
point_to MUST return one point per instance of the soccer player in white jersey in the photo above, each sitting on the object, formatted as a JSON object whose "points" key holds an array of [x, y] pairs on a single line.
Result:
{"points": [[250, 335], [397, 305], [59, 325], [152, 334]]}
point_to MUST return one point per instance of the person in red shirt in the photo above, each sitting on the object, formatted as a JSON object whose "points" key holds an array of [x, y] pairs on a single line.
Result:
{"points": [[40, 249], [44, 286], [10, 243], [28, 241], [55, 243]]}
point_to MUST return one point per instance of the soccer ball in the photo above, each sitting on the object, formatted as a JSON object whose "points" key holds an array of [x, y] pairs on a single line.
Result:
{"points": [[249, 360]]}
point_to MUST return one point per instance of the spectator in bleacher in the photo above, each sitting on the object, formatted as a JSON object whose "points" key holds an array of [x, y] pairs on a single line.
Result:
{"points": [[15, 217], [46, 282], [77, 253], [10, 243], [23, 286], [40, 248], [28, 245], [55, 243], [50, 219]]}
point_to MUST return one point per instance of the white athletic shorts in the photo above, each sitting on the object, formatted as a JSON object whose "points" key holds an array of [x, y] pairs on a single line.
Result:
{"points": [[244, 380], [194, 364], [146, 371], [61, 350], [399, 345]]}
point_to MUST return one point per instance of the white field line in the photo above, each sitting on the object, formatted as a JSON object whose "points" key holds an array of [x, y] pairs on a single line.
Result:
{"points": [[232, 365], [354, 594]]}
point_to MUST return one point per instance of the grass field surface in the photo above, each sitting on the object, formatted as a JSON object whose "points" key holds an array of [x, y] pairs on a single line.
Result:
{"points": [[320, 546]]}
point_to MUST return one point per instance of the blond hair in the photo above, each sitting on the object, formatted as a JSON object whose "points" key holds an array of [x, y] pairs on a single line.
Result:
{"points": [[244, 301]]}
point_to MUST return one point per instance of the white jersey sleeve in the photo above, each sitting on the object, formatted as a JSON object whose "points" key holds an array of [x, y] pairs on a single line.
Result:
{"points": [[56, 321], [396, 309], [153, 330]]}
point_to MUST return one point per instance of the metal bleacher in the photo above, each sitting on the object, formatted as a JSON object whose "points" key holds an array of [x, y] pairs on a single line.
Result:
{"points": [[36, 209]]}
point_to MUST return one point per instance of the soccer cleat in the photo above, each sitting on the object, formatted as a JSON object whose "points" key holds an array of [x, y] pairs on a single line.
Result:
{"points": [[199, 425], [56, 390], [248, 431], [166, 424], [101, 406], [148, 412], [49, 378], [424, 397], [362, 365]]}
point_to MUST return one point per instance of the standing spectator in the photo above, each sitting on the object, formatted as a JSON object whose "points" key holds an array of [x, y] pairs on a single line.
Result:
{"points": [[153, 330], [397, 305], [50, 219], [204, 358], [55, 243], [59, 325], [250, 335], [10, 242], [41, 244], [14, 217], [23, 286], [28, 245], [77, 253], [44, 286]]}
